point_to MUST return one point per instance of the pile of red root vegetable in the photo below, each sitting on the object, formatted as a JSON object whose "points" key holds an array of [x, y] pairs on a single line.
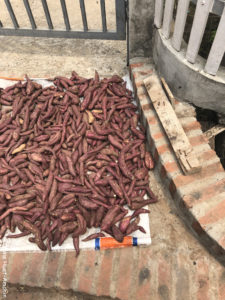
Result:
{"points": [[72, 156]]}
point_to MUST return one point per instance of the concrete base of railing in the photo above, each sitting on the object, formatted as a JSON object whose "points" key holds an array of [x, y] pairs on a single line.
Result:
{"points": [[188, 81]]}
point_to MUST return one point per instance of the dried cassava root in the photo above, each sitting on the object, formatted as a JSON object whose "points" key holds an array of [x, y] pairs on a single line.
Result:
{"points": [[72, 156]]}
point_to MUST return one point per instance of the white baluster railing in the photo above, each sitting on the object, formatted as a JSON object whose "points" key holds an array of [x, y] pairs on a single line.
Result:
{"points": [[164, 18]]}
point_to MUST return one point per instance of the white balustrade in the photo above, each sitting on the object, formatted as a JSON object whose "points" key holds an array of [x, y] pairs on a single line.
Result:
{"points": [[164, 19]]}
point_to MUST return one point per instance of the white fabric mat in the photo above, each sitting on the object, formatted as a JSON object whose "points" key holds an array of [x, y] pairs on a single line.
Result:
{"points": [[23, 245]]}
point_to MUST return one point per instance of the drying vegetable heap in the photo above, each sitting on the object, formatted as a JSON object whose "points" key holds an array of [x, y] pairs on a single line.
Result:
{"points": [[72, 156]]}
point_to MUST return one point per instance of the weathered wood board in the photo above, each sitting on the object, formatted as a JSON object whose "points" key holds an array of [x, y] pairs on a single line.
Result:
{"points": [[168, 92], [179, 141], [212, 132]]}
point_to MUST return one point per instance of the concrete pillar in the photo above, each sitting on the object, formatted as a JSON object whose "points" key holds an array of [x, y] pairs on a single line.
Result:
{"points": [[141, 27]]}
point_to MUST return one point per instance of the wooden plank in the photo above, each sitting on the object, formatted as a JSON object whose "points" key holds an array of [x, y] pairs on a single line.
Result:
{"points": [[212, 132], [198, 28], [167, 19], [177, 137], [218, 48], [182, 10], [158, 13], [168, 92]]}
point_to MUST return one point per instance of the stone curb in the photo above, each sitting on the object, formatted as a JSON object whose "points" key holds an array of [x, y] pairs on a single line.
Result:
{"points": [[200, 197]]}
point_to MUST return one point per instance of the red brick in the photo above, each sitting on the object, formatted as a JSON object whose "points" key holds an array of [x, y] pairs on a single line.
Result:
{"points": [[222, 292], [125, 269], [183, 287], [104, 279], [146, 106], [205, 172], [202, 279], [158, 135], [17, 267], [136, 65], [205, 194], [33, 273], [214, 214], [163, 148], [164, 277], [51, 269], [142, 73], [152, 120], [87, 271], [191, 126], [181, 180], [198, 140], [208, 155], [68, 270], [144, 274], [146, 72], [169, 167]]}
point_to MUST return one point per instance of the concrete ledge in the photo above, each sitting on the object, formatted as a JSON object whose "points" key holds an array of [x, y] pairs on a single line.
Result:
{"points": [[200, 197], [188, 81]]}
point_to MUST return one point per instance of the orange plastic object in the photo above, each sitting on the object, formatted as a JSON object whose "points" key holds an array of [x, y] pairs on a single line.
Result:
{"points": [[108, 242]]}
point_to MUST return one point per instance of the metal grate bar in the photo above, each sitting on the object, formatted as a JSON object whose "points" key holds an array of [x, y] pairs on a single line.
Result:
{"points": [[104, 25], [47, 14], [121, 18], [65, 14], [83, 13], [30, 15], [103, 33], [11, 13], [99, 35], [128, 31]]}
